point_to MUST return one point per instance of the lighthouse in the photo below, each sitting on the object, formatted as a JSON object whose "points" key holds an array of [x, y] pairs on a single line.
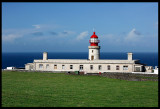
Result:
{"points": [[94, 49]]}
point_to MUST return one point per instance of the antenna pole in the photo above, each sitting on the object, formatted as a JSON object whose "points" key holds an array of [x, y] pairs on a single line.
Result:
{"points": [[93, 30]]}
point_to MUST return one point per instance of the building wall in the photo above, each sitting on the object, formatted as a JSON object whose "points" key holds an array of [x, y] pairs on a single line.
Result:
{"points": [[46, 64], [86, 67], [29, 66], [156, 71], [148, 69], [138, 68]]}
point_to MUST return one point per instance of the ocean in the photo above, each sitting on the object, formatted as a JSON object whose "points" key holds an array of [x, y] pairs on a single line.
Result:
{"points": [[20, 59]]}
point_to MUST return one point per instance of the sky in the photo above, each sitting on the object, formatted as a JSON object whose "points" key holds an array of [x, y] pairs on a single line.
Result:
{"points": [[68, 26]]}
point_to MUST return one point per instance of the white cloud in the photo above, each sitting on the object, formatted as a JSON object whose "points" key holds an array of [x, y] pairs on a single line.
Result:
{"points": [[37, 26], [40, 38], [65, 33], [10, 37], [133, 36], [82, 35], [110, 38]]}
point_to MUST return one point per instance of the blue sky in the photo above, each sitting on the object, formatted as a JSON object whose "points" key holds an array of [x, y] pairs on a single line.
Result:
{"points": [[67, 27]]}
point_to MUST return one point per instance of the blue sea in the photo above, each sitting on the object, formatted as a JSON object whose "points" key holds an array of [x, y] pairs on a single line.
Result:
{"points": [[20, 59]]}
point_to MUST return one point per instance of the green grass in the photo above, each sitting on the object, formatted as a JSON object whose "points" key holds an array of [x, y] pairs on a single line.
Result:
{"points": [[33, 89]]}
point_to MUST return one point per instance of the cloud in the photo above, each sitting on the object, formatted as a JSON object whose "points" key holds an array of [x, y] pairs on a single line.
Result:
{"points": [[61, 34], [37, 26], [10, 37], [82, 35], [137, 33], [37, 33], [40, 38], [53, 33], [133, 36], [66, 33], [110, 39]]}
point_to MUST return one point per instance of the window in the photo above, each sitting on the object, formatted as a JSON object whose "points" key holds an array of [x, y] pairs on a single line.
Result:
{"points": [[71, 66], [94, 40], [81, 67], [91, 67], [55, 66], [99, 67], [125, 67], [47, 66], [63, 66], [117, 67], [108, 67], [40, 66]]}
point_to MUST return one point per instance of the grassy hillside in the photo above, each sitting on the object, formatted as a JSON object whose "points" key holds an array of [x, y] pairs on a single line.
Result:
{"points": [[33, 89]]}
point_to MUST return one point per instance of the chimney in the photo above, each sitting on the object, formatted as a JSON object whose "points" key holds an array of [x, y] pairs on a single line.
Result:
{"points": [[45, 57], [130, 56]]}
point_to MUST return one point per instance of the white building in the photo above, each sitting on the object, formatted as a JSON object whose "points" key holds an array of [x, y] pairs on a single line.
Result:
{"points": [[10, 68], [156, 70], [91, 65]]}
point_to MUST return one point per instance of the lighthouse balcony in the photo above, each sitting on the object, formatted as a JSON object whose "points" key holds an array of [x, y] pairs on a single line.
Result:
{"points": [[94, 41]]}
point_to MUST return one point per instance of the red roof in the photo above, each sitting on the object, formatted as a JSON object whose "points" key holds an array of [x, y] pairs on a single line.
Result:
{"points": [[94, 36]]}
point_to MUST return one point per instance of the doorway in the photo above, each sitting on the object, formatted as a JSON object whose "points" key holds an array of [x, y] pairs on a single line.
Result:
{"points": [[92, 57]]}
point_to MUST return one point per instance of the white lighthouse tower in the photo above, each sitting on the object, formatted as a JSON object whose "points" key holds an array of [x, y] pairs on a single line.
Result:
{"points": [[94, 49]]}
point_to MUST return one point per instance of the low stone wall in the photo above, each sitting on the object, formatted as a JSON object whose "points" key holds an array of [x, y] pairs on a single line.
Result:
{"points": [[19, 70], [93, 74], [131, 76]]}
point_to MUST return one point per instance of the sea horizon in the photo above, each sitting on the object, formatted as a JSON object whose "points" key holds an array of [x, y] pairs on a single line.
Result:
{"points": [[19, 59]]}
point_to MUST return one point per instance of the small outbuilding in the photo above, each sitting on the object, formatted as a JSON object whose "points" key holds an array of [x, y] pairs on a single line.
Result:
{"points": [[10, 68]]}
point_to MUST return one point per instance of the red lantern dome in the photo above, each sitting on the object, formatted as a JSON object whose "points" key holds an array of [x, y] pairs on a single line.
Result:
{"points": [[94, 40], [94, 36]]}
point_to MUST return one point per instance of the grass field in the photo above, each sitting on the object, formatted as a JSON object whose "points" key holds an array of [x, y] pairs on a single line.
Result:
{"points": [[33, 89]]}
